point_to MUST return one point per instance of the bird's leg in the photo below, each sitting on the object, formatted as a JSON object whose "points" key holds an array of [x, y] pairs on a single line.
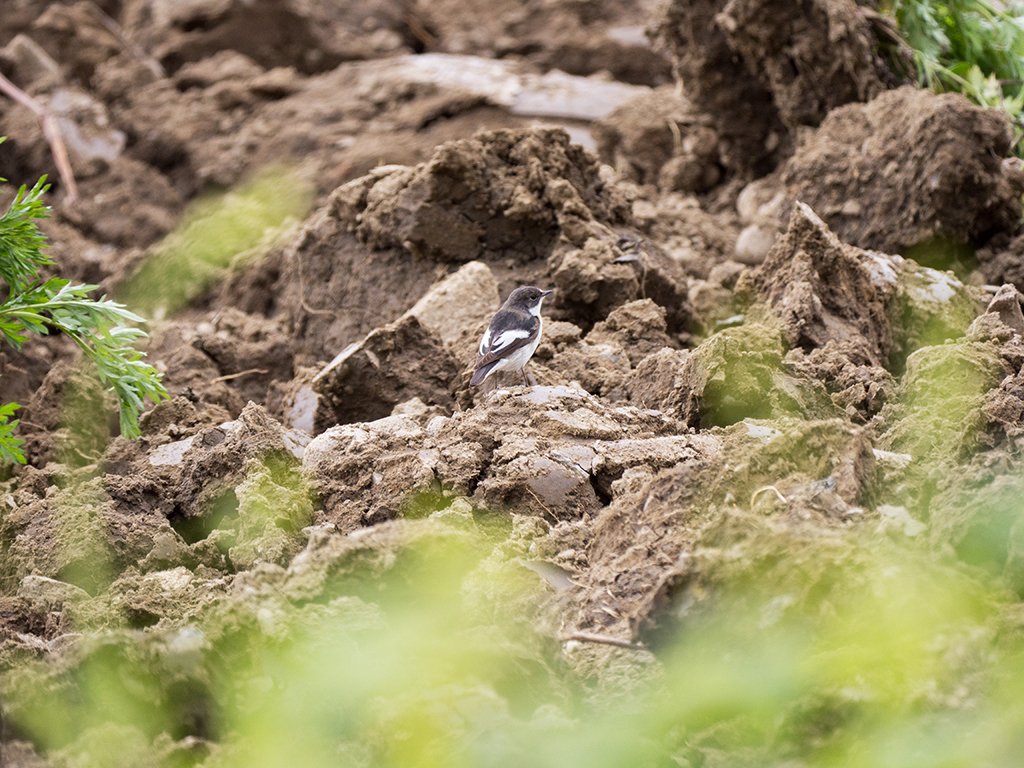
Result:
{"points": [[526, 378]]}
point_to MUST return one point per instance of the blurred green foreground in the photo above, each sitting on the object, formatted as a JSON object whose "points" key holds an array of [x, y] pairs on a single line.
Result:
{"points": [[429, 645]]}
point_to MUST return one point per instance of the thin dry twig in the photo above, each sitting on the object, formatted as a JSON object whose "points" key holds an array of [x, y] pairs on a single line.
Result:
{"points": [[592, 637], [767, 489], [412, 20], [547, 509], [677, 135], [246, 372], [115, 29], [51, 130], [302, 292]]}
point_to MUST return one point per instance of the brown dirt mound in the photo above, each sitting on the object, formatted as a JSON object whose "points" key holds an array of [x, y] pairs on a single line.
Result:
{"points": [[1003, 262], [825, 291], [717, 81], [859, 390], [682, 226], [331, 289], [550, 451], [736, 374], [828, 293], [601, 361], [511, 198], [593, 280], [812, 55], [763, 68], [396, 362], [657, 518], [503, 194], [312, 37], [77, 534], [659, 138], [849, 316], [909, 168]]}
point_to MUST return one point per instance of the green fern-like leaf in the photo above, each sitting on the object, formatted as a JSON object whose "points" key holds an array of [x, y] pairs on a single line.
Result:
{"points": [[104, 330], [10, 444], [973, 47], [21, 242]]}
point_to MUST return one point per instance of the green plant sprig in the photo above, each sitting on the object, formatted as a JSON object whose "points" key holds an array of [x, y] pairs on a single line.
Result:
{"points": [[99, 328], [970, 47], [105, 330], [21, 242], [10, 444]]}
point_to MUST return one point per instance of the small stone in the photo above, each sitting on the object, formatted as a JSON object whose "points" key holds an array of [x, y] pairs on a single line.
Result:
{"points": [[50, 592], [457, 308], [1006, 303], [754, 243], [171, 454], [302, 411]]}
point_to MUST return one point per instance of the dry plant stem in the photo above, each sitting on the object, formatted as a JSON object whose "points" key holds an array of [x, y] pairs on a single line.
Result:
{"points": [[115, 29], [551, 515], [246, 372], [302, 293], [767, 489], [414, 22], [52, 133], [591, 637]]}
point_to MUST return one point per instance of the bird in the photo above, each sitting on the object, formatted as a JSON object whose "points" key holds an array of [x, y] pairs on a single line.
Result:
{"points": [[512, 335]]}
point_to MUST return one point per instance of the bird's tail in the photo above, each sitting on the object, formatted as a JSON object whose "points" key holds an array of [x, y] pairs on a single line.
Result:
{"points": [[480, 374]]}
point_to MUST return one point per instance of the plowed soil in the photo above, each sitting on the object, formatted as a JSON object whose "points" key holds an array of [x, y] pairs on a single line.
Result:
{"points": [[786, 303]]}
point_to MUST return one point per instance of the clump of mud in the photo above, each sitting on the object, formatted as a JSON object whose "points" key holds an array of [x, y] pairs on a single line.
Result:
{"points": [[1002, 261], [659, 138], [311, 38], [763, 69], [530, 205], [908, 169], [830, 294], [506, 194]]}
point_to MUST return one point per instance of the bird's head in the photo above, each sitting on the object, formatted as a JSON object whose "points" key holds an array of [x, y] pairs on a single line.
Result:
{"points": [[527, 298]]}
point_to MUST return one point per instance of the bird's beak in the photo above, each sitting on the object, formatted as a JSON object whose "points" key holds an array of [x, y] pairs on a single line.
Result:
{"points": [[545, 294]]}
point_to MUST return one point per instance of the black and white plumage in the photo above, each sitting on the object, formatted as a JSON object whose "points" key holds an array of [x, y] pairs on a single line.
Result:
{"points": [[512, 336]]}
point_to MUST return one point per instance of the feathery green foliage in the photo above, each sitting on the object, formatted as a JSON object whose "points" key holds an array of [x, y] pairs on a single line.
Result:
{"points": [[21, 242], [973, 47], [10, 444], [103, 329]]}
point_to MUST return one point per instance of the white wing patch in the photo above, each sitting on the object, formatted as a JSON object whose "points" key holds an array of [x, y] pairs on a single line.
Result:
{"points": [[505, 338], [514, 361]]}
